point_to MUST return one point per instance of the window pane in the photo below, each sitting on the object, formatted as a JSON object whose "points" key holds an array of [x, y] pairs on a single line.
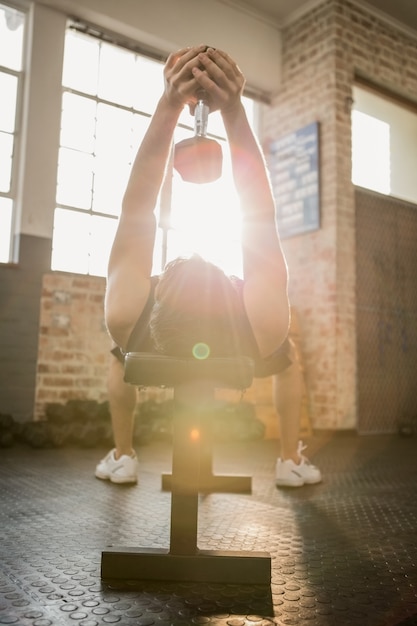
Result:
{"points": [[6, 206], [78, 122], [81, 62], [110, 179], [6, 151], [148, 84], [71, 240], [81, 242], [75, 178], [370, 152], [8, 91], [384, 144], [11, 37], [115, 75], [102, 234], [114, 156], [114, 130]]}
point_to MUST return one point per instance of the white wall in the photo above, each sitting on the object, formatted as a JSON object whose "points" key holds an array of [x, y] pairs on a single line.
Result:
{"points": [[167, 25]]}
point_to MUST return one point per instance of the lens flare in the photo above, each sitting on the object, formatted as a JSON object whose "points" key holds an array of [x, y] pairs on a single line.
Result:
{"points": [[201, 351], [195, 434]]}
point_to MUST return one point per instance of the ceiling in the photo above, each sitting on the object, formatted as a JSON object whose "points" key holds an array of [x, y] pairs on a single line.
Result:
{"points": [[282, 12]]}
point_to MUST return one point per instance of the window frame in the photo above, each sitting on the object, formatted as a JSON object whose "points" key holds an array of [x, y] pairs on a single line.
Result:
{"points": [[20, 75]]}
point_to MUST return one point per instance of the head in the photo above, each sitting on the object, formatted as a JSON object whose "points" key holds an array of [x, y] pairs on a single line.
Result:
{"points": [[195, 303]]}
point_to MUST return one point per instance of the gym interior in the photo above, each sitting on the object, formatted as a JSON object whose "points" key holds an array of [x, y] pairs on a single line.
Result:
{"points": [[331, 84]]}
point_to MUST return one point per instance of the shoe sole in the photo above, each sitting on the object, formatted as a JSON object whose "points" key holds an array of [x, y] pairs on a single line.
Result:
{"points": [[123, 480], [286, 484], [116, 479], [304, 482]]}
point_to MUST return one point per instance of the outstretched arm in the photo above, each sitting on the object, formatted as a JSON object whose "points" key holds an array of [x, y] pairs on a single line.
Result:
{"points": [[130, 262], [265, 270]]}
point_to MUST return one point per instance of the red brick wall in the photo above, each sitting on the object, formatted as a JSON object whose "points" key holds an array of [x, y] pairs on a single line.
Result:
{"points": [[73, 342], [322, 51]]}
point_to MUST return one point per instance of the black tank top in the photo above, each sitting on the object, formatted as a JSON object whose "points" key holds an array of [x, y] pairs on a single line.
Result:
{"points": [[140, 339]]}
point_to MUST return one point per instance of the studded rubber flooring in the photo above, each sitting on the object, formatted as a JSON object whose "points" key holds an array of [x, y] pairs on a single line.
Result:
{"points": [[343, 552]]}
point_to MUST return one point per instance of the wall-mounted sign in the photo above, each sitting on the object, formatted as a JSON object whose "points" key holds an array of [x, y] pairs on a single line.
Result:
{"points": [[294, 169]]}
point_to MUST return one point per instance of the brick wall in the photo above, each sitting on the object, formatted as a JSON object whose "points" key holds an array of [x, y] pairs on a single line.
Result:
{"points": [[322, 52], [73, 342]]}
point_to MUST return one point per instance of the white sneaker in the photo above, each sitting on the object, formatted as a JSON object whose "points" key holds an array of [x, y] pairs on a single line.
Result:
{"points": [[290, 474], [123, 470]]}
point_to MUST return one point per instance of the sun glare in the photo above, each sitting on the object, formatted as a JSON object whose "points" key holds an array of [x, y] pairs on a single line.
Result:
{"points": [[205, 220]]}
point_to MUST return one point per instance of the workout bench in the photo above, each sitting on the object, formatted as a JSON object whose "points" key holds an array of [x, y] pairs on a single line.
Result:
{"points": [[194, 382]]}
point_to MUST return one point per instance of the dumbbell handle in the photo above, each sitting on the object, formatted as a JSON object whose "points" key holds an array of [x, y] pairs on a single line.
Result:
{"points": [[198, 159], [201, 114]]}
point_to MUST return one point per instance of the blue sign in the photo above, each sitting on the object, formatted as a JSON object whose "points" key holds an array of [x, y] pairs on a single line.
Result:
{"points": [[294, 170]]}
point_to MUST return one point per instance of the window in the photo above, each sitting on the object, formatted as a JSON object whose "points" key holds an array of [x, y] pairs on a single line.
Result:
{"points": [[384, 144], [370, 152], [107, 103], [104, 117], [11, 55]]}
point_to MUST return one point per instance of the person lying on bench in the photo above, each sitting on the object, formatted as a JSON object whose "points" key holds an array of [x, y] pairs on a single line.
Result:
{"points": [[193, 301]]}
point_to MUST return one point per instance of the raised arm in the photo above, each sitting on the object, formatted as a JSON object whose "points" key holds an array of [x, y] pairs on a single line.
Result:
{"points": [[265, 269], [130, 262]]}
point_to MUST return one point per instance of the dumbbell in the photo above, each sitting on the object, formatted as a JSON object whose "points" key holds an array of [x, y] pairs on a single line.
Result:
{"points": [[199, 159]]}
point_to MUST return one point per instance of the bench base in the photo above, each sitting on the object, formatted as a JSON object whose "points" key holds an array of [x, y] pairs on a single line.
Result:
{"points": [[243, 567], [211, 483]]}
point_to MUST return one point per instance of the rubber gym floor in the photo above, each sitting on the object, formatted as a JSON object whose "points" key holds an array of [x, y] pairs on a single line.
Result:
{"points": [[344, 552]]}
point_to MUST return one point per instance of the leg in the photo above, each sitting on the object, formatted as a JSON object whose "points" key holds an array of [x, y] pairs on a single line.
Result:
{"points": [[293, 469], [287, 392], [120, 465], [122, 400]]}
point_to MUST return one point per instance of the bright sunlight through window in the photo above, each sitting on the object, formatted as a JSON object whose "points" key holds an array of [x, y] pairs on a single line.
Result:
{"points": [[384, 137], [370, 152], [105, 113]]}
